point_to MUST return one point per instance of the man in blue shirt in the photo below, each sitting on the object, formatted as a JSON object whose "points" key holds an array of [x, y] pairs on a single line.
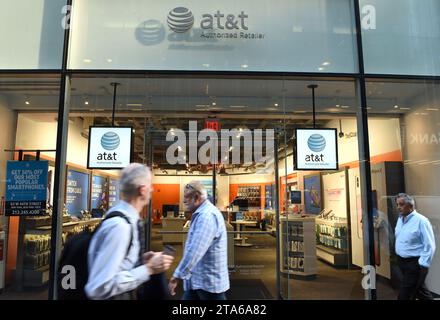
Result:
{"points": [[204, 266], [415, 248]]}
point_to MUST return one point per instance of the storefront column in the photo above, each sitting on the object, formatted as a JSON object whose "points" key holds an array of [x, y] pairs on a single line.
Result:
{"points": [[60, 165], [364, 165]]}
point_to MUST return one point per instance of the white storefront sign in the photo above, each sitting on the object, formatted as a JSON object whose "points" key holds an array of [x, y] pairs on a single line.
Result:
{"points": [[109, 147], [316, 149]]}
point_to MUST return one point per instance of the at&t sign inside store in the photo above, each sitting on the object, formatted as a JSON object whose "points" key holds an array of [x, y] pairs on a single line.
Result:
{"points": [[109, 147], [316, 149]]}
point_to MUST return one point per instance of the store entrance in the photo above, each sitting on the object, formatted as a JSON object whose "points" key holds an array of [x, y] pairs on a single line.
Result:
{"points": [[237, 168]]}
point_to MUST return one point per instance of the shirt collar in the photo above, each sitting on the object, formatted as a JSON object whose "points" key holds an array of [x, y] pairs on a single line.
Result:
{"points": [[127, 209], [201, 207], [408, 217]]}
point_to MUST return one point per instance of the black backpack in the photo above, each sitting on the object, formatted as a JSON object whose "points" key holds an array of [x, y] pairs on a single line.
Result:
{"points": [[75, 254]]}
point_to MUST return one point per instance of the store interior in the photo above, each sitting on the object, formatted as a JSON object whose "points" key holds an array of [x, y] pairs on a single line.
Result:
{"points": [[321, 241]]}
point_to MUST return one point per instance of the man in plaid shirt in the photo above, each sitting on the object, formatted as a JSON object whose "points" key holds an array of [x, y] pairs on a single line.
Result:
{"points": [[204, 266]]}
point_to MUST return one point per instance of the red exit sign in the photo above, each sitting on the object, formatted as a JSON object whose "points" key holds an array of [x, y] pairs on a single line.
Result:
{"points": [[212, 124]]}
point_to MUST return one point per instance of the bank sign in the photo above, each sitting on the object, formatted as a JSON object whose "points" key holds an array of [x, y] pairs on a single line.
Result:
{"points": [[109, 147], [316, 149], [26, 188]]}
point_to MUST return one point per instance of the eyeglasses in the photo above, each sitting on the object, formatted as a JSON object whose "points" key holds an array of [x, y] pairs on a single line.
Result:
{"points": [[188, 186]]}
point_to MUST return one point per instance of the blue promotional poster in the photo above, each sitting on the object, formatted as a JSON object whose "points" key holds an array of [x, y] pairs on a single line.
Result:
{"points": [[77, 192], [99, 192], [26, 188], [312, 194], [113, 194]]}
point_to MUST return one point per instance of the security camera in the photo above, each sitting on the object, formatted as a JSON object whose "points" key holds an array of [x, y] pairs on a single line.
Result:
{"points": [[341, 134]]}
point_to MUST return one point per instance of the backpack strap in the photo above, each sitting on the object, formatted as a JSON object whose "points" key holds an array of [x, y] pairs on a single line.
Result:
{"points": [[121, 215]]}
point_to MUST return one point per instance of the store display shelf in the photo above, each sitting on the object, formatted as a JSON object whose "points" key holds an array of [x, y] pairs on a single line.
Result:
{"points": [[71, 224], [296, 254], [332, 255], [333, 236], [340, 223]]}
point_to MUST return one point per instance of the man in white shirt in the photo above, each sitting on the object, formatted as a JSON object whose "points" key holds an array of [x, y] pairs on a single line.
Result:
{"points": [[117, 267], [415, 248]]}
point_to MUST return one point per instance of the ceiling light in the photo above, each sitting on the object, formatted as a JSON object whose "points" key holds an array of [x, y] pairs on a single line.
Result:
{"points": [[431, 109], [405, 108], [109, 60], [87, 60], [321, 68], [337, 106], [206, 65], [326, 63], [276, 104], [86, 102], [179, 148], [27, 102], [231, 148], [396, 107], [214, 104], [244, 66]]}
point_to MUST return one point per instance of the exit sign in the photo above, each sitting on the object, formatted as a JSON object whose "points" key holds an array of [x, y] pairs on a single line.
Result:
{"points": [[212, 124]]}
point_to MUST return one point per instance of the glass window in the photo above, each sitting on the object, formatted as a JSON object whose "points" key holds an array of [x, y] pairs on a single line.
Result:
{"points": [[293, 36], [401, 36], [404, 121], [28, 118], [31, 32]]}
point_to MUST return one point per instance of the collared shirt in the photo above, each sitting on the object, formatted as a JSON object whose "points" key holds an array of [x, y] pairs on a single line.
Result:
{"points": [[205, 260], [111, 270], [415, 238]]}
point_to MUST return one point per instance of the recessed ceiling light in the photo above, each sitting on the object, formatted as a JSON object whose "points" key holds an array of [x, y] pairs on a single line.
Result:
{"points": [[206, 65], [27, 102], [214, 104], [326, 63], [431, 109], [87, 60], [338, 105], [276, 104], [109, 60], [396, 107], [86, 102], [244, 66], [321, 68]]}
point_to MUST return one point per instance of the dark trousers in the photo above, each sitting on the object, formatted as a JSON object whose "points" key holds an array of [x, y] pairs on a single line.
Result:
{"points": [[203, 295], [413, 281]]}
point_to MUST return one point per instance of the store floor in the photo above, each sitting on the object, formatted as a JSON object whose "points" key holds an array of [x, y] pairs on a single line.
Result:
{"points": [[254, 275]]}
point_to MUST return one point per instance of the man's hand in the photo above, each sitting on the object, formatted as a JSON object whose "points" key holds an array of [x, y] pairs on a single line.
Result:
{"points": [[423, 270], [157, 262], [172, 285]]}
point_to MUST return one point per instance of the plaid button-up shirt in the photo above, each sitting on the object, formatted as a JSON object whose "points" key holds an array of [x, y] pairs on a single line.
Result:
{"points": [[205, 259]]}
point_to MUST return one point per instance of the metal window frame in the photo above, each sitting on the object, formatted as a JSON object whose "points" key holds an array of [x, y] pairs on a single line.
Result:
{"points": [[360, 79]]}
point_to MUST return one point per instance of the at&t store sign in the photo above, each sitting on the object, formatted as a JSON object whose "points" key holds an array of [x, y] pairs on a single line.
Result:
{"points": [[316, 149], [109, 147]]}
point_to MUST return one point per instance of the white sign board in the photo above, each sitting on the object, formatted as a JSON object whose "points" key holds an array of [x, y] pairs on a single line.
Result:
{"points": [[109, 147], [316, 149]]}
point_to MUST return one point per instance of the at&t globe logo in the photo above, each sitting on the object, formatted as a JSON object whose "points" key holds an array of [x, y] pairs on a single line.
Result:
{"points": [[180, 19], [316, 142], [110, 141]]}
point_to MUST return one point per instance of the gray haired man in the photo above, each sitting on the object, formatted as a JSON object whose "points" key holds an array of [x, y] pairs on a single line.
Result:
{"points": [[415, 248], [117, 265]]}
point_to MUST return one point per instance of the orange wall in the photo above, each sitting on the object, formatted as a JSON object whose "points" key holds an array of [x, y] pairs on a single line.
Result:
{"points": [[164, 194]]}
